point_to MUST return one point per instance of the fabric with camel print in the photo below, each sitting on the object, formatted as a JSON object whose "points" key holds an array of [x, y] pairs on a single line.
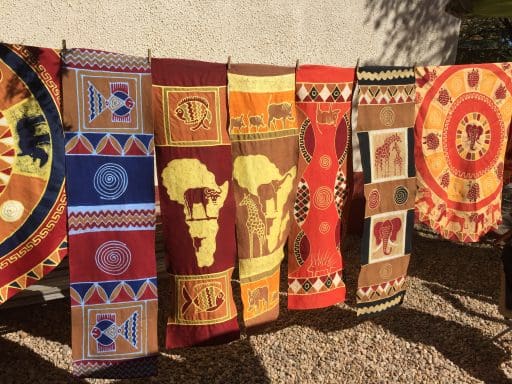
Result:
{"points": [[386, 141], [263, 132], [195, 167], [462, 123], [33, 238], [315, 266], [111, 213]]}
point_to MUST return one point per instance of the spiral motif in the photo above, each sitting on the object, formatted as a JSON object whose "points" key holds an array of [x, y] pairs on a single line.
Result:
{"points": [[385, 271], [11, 210], [401, 195], [113, 257], [323, 198], [324, 227], [110, 181], [387, 116], [373, 199], [325, 161]]}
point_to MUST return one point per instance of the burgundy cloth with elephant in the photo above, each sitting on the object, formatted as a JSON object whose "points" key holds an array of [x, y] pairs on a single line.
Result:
{"points": [[196, 195]]}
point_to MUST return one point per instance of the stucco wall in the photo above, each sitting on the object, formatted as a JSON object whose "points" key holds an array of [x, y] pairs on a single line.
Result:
{"points": [[334, 32]]}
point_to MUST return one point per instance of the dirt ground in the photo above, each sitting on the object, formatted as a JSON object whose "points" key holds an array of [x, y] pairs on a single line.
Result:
{"points": [[442, 334]]}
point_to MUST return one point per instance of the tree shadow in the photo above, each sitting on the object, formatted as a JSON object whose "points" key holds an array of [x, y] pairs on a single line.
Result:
{"points": [[21, 365], [465, 346], [407, 26]]}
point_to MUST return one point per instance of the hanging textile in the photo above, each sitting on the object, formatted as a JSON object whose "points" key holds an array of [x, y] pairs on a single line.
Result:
{"points": [[263, 132], [462, 123], [32, 198], [386, 139], [315, 267], [196, 199], [111, 213]]}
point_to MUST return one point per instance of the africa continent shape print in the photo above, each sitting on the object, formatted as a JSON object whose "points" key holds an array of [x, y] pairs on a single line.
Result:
{"points": [[463, 115]]}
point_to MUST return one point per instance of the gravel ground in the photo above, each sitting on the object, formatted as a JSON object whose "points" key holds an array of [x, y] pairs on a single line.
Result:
{"points": [[442, 334]]}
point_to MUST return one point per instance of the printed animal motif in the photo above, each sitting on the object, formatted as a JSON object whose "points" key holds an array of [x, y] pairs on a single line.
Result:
{"points": [[473, 132], [194, 111], [29, 143], [208, 298], [329, 117], [383, 153], [451, 217], [280, 111], [258, 299], [491, 210], [427, 77], [106, 331], [269, 191], [255, 224], [477, 218], [256, 121], [427, 199], [386, 232], [200, 196], [237, 124], [398, 162]]}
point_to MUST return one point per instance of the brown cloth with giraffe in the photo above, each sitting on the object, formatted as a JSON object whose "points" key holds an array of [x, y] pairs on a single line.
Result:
{"points": [[263, 132]]}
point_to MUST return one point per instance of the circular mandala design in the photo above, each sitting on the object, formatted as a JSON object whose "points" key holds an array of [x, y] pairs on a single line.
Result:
{"points": [[401, 195], [110, 181], [113, 257], [472, 142], [325, 161], [373, 199], [386, 271], [323, 198], [11, 210], [387, 116], [324, 227]]}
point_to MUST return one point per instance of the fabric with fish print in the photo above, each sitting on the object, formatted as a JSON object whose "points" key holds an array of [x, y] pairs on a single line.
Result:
{"points": [[33, 238], [111, 213], [315, 266], [264, 136], [462, 127], [194, 169], [385, 122]]}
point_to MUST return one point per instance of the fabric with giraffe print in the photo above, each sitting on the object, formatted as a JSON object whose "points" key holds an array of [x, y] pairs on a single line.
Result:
{"points": [[263, 132], [195, 168], [386, 140], [315, 265], [462, 125]]}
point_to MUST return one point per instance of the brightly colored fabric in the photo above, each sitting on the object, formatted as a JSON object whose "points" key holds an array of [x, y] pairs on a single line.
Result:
{"points": [[32, 197], [111, 213], [196, 199], [315, 266], [263, 132], [462, 123], [386, 140]]}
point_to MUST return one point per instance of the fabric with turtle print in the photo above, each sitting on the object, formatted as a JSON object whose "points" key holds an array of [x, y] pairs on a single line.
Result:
{"points": [[462, 124]]}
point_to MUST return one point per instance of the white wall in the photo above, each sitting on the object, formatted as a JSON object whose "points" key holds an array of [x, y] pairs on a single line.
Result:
{"points": [[334, 32]]}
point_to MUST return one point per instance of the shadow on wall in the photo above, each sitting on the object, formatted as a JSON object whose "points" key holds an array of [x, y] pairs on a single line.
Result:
{"points": [[410, 23]]}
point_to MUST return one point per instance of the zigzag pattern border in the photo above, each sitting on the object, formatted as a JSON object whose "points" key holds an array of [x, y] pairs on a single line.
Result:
{"points": [[108, 369], [88, 59], [386, 75], [379, 306]]}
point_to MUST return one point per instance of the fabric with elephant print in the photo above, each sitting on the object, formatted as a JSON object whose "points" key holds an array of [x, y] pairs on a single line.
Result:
{"points": [[111, 213], [386, 141], [462, 124], [33, 238], [315, 266], [195, 167], [265, 151]]}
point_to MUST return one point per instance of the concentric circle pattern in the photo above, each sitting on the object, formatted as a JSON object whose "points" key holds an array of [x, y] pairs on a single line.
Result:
{"points": [[110, 181], [113, 257]]}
